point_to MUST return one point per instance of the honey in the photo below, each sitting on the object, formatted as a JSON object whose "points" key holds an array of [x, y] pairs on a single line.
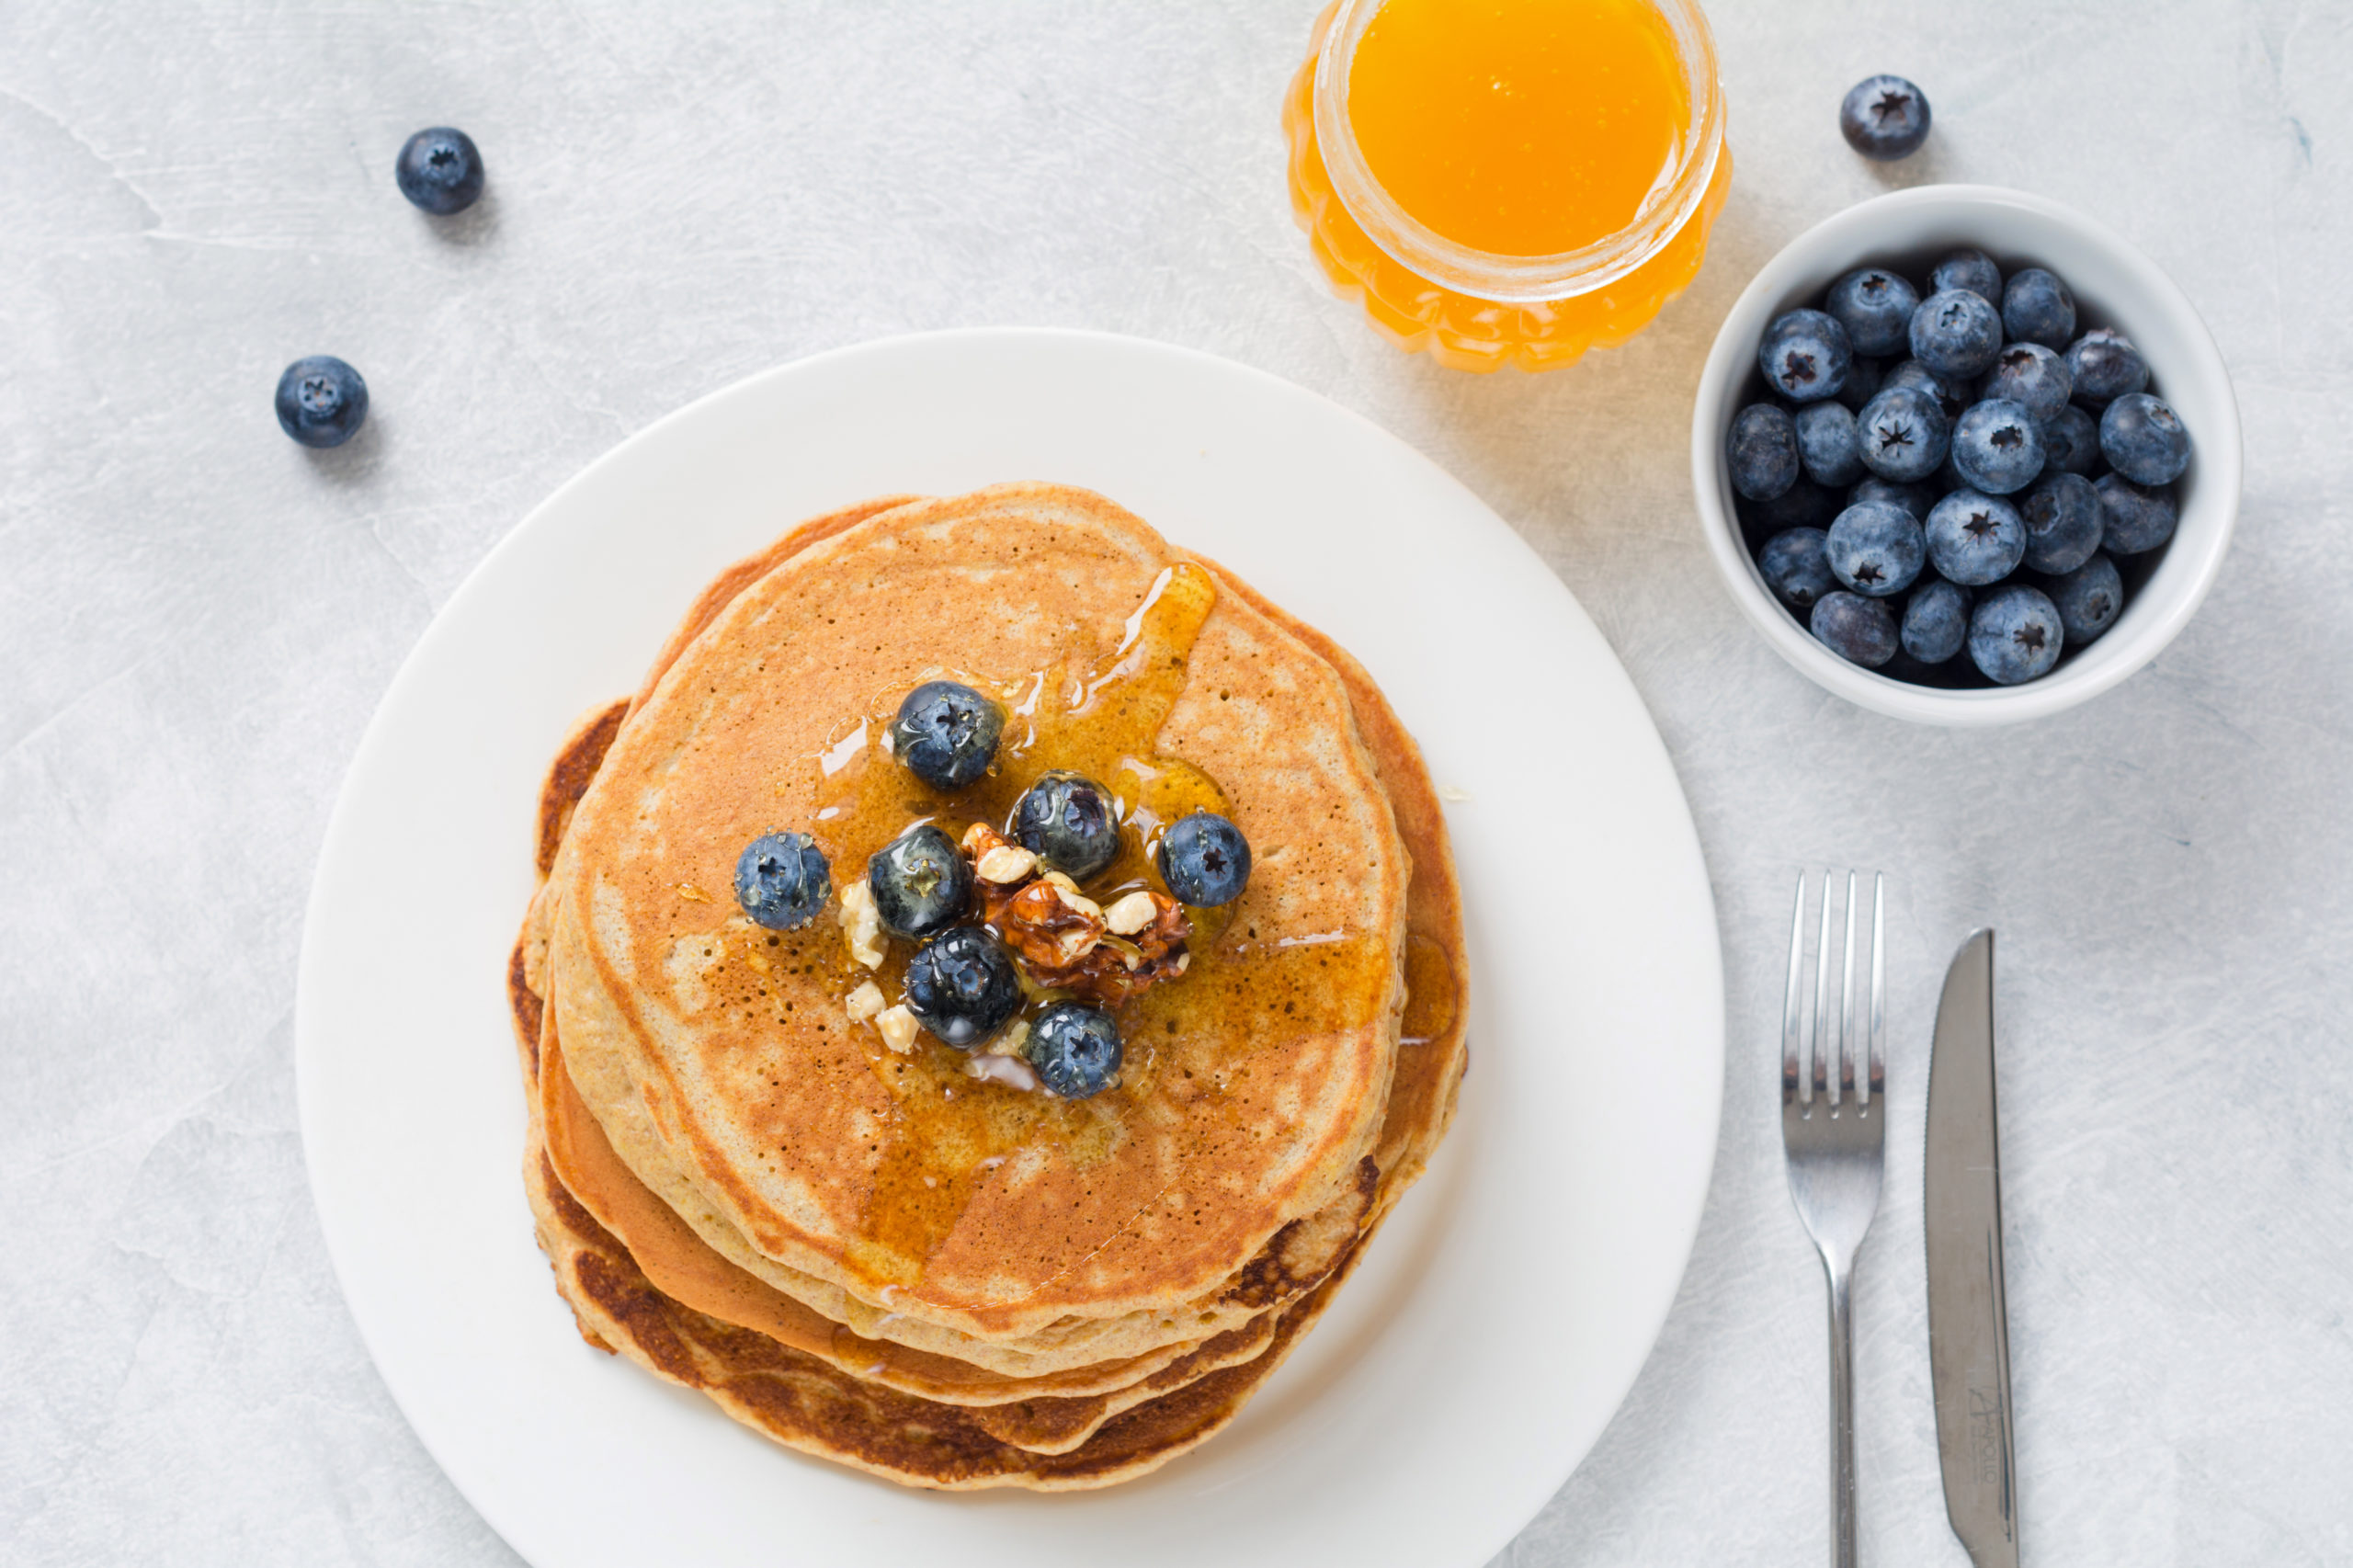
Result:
{"points": [[1509, 181], [1186, 1041]]}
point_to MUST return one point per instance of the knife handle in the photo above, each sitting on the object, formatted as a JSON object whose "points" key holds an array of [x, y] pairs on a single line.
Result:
{"points": [[1842, 1413]]}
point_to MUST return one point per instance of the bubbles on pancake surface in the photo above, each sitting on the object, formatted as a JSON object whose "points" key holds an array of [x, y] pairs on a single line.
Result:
{"points": [[921, 883], [1205, 860], [781, 880], [961, 985], [1075, 1049], [1069, 822], [946, 733]]}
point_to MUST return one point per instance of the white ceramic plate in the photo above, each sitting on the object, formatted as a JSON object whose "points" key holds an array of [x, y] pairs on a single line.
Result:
{"points": [[1495, 1324]]}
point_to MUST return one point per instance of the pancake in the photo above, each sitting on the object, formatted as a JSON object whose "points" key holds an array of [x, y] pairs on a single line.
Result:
{"points": [[1090, 1439], [716, 1062]]}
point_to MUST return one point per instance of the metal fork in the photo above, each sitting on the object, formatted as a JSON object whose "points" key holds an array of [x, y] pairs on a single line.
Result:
{"points": [[1833, 1132]]}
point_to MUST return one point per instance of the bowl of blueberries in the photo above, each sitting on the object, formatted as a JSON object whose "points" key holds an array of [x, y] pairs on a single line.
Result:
{"points": [[1964, 455]]}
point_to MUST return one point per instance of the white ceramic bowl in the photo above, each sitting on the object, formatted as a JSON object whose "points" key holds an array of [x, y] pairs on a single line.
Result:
{"points": [[2114, 286]]}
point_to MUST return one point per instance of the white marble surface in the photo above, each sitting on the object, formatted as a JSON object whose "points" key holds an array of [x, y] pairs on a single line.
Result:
{"points": [[198, 617]]}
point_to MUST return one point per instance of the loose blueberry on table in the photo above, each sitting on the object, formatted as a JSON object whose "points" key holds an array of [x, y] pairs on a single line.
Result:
{"points": [[1998, 475], [1884, 117], [322, 402], [439, 170]]}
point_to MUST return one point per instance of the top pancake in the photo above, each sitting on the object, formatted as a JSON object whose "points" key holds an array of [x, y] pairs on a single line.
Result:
{"points": [[715, 1052]]}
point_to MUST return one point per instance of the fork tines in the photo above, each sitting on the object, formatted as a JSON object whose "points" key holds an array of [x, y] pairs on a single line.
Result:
{"points": [[1806, 1054]]}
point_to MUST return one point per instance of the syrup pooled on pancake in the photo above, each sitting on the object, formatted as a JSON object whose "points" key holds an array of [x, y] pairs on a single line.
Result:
{"points": [[954, 1127]]}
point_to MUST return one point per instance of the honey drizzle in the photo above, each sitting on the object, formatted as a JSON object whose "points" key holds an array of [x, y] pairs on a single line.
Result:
{"points": [[947, 1133]]}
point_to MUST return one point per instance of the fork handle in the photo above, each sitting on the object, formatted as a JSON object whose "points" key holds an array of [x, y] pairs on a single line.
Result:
{"points": [[1842, 1413]]}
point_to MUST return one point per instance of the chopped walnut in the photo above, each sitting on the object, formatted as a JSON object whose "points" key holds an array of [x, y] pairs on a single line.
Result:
{"points": [[864, 1002], [1063, 939], [861, 924], [898, 1029], [1112, 969], [1129, 914], [1006, 863]]}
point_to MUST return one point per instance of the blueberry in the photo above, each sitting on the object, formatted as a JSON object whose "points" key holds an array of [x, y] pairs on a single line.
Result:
{"points": [[1970, 269], [961, 985], [322, 402], [1859, 630], [1862, 385], [1826, 444], [2063, 522], [1903, 435], [1069, 822], [1794, 568], [1884, 117], [1936, 621], [1804, 355], [1075, 1049], [1204, 860], [1875, 306], [2105, 366], [2089, 599], [1761, 451], [1805, 505], [1951, 395], [946, 733], [2142, 440], [1974, 539], [1996, 446], [2015, 634], [439, 170], [1914, 498], [781, 880], [2037, 308], [2134, 519], [2071, 442], [919, 881], [1956, 332], [2030, 375], [1875, 549]]}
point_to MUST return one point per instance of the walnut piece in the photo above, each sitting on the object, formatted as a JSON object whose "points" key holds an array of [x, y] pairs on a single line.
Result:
{"points": [[861, 924], [898, 1028]]}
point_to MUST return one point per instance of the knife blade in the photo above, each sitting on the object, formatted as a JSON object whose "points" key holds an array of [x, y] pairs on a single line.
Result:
{"points": [[1969, 1336]]}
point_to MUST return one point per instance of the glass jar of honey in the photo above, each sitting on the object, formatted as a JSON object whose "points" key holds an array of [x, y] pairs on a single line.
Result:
{"points": [[1509, 181]]}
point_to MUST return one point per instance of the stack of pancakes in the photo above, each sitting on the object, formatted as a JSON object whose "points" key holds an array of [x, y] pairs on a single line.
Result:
{"points": [[877, 1257]]}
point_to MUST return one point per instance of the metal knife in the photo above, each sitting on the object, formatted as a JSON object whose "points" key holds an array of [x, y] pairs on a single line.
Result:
{"points": [[1969, 1336]]}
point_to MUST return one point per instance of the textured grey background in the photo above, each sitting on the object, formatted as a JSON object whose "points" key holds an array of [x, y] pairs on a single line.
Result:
{"points": [[197, 618]]}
